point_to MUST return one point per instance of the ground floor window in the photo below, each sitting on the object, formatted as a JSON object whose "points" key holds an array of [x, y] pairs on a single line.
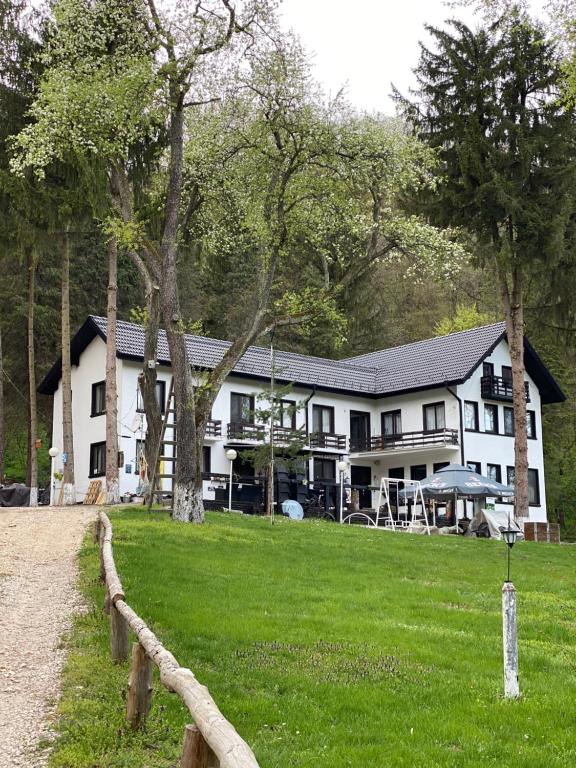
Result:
{"points": [[206, 459], [439, 465], [97, 459], [418, 472], [533, 488], [494, 472], [510, 476], [324, 469]]}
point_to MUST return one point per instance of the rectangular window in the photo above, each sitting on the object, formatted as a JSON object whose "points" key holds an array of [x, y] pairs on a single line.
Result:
{"points": [[360, 430], [494, 472], [418, 472], [507, 375], [160, 397], [475, 466], [324, 469], [434, 417], [397, 473], [97, 459], [471, 416], [98, 398], [510, 476], [439, 465], [286, 414], [533, 488], [491, 419], [391, 422], [323, 419], [206, 459], [488, 369], [241, 408], [531, 424], [509, 421]]}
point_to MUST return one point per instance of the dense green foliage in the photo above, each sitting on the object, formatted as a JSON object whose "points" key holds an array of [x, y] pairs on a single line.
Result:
{"points": [[330, 646]]}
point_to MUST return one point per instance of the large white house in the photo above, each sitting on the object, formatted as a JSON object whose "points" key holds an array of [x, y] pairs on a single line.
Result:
{"points": [[400, 413]]}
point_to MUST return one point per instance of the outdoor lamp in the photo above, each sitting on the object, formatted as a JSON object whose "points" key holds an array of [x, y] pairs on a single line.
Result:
{"points": [[509, 535], [53, 452], [230, 455], [342, 467]]}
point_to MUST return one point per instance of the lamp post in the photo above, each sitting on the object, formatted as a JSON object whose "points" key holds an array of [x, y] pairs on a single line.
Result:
{"points": [[342, 467], [230, 455], [53, 452], [509, 627]]}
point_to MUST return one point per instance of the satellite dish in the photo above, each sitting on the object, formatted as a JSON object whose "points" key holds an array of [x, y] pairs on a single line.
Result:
{"points": [[292, 509], [136, 423]]}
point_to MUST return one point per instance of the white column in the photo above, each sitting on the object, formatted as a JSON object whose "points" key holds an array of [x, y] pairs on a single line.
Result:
{"points": [[510, 641]]}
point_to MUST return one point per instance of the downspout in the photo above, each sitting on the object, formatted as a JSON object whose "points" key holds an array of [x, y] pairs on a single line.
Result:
{"points": [[310, 396], [461, 423]]}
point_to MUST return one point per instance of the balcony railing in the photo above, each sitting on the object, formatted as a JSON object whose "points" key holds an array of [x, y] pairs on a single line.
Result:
{"points": [[214, 428], [425, 439], [497, 388], [240, 431], [287, 435], [327, 440]]}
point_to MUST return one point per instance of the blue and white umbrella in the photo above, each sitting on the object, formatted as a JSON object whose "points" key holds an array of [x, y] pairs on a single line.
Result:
{"points": [[456, 480]]}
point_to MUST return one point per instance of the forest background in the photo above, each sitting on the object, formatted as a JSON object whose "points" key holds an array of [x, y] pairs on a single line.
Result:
{"points": [[385, 306]]}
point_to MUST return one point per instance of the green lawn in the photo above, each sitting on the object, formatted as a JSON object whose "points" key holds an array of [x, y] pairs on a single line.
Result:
{"points": [[331, 646]]}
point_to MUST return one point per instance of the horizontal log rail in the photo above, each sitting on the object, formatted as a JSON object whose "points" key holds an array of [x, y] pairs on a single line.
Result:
{"points": [[212, 741]]}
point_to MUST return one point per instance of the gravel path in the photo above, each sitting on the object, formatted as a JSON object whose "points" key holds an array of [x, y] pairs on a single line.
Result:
{"points": [[38, 571]]}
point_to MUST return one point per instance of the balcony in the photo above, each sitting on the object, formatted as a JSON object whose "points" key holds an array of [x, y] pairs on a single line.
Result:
{"points": [[246, 432], [435, 438], [497, 388], [213, 428], [327, 440], [288, 436]]}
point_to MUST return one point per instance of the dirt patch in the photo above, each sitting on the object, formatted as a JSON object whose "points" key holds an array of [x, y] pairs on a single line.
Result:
{"points": [[38, 573]]}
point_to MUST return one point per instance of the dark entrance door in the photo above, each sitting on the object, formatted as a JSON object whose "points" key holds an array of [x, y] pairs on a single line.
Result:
{"points": [[362, 476], [359, 431]]}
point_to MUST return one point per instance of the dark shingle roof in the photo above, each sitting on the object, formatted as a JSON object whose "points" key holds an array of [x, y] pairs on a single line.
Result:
{"points": [[433, 361], [421, 365]]}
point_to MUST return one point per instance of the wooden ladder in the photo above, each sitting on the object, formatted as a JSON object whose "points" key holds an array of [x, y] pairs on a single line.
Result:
{"points": [[168, 425]]}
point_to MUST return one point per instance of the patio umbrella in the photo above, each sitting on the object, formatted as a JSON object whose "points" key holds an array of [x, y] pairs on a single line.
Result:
{"points": [[456, 480]]}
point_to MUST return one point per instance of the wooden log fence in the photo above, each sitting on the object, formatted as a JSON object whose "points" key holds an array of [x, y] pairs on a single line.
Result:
{"points": [[212, 742]]}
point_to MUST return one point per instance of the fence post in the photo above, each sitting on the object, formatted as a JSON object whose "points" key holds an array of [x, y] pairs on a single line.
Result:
{"points": [[195, 751], [118, 635], [510, 641], [101, 550], [139, 688], [97, 530]]}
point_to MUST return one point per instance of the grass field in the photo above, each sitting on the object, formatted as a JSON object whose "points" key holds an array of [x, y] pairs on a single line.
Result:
{"points": [[331, 646]]}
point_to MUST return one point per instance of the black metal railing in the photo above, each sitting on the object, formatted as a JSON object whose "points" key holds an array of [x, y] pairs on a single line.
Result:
{"points": [[327, 440], [287, 435], [240, 431], [432, 437], [214, 428], [498, 388]]}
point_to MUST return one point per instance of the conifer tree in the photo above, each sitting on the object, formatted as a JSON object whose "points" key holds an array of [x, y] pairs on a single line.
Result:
{"points": [[487, 100]]}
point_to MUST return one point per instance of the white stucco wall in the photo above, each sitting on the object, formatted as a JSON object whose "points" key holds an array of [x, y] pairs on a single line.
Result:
{"points": [[478, 446], [488, 448]]}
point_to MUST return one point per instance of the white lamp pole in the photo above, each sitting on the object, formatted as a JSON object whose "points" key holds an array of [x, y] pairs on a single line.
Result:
{"points": [[342, 466], [53, 452], [230, 455]]}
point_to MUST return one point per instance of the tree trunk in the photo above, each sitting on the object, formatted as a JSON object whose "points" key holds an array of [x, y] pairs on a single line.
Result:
{"points": [[512, 301], [67, 426], [33, 431], [147, 378], [186, 505], [1, 412], [112, 483]]}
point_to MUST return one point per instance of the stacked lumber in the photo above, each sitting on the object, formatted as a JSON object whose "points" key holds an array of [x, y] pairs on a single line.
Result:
{"points": [[93, 492]]}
